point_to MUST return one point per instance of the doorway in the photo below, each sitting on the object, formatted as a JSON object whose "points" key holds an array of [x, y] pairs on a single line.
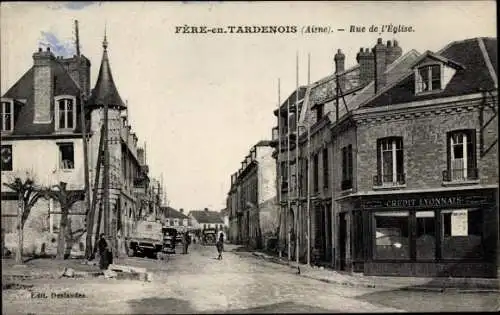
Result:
{"points": [[342, 240]]}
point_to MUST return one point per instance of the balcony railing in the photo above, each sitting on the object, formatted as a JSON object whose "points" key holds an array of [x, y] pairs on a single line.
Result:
{"points": [[457, 175], [389, 180], [346, 184]]}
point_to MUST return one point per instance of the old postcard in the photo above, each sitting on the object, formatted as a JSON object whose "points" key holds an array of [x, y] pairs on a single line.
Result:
{"points": [[249, 157]]}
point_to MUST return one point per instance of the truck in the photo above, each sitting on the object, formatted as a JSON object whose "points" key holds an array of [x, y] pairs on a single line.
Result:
{"points": [[145, 240]]}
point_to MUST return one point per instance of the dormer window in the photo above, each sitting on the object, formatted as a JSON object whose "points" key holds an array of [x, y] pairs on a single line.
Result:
{"points": [[428, 78], [65, 112], [7, 115]]}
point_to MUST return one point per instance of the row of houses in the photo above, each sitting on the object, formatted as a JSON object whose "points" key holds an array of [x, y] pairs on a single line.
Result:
{"points": [[389, 167], [47, 117], [195, 220]]}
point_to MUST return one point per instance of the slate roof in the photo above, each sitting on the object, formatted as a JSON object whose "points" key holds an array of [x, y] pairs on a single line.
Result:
{"points": [[24, 112], [105, 90], [171, 213], [301, 93], [399, 68], [207, 216], [472, 74]]}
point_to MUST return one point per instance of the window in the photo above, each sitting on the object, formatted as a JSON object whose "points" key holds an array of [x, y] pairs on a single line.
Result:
{"points": [[392, 237], [315, 173], [461, 151], [176, 222], [462, 233], [66, 113], [6, 154], [66, 156], [167, 222], [426, 235], [325, 168], [428, 78], [390, 162], [347, 168], [7, 113]]}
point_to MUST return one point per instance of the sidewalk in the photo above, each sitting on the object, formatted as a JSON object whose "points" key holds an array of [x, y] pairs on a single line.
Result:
{"points": [[401, 283]]}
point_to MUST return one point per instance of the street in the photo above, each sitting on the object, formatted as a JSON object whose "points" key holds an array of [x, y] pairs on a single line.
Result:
{"points": [[198, 282]]}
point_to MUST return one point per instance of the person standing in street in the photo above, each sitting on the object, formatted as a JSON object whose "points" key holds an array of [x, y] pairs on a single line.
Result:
{"points": [[220, 246], [104, 253], [185, 242]]}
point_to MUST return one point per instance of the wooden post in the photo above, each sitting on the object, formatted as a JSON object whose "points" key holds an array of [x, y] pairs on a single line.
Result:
{"points": [[98, 228], [91, 217], [106, 173], [297, 204]]}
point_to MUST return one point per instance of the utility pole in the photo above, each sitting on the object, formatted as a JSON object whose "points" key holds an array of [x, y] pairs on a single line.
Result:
{"points": [[83, 99], [297, 203], [278, 171], [106, 172], [288, 173], [308, 174]]}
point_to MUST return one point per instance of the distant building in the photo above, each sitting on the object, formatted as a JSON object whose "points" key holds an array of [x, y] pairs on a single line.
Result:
{"points": [[170, 217], [206, 219], [253, 213]]}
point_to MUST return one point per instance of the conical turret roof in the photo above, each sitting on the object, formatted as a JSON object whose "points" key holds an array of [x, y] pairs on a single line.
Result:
{"points": [[105, 91]]}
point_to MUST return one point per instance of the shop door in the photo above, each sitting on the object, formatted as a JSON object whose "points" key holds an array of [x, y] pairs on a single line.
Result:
{"points": [[342, 240]]}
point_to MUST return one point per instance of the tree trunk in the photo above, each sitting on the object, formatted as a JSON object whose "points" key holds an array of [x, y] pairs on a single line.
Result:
{"points": [[19, 253], [62, 234]]}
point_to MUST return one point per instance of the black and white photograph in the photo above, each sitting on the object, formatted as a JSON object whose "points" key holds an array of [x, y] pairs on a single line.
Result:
{"points": [[238, 157]]}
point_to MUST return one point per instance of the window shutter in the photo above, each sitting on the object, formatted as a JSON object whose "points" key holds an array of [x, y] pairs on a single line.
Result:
{"points": [[379, 160], [344, 164], [350, 175], [448, 152], [471, 151]]}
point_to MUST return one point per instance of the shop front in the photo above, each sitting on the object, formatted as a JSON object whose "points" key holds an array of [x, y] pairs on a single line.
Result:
{"points": [[433, 234]]}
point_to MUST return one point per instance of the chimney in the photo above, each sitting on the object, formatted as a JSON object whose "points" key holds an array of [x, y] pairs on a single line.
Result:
{"points": [[366, 63], [340, 67], [78, 68], [43, 85], [339, 61], [379, 52], [393, 52]]}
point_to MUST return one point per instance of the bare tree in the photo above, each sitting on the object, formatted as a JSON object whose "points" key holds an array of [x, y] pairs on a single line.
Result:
{"points": [[28, 194], [66, 199]]}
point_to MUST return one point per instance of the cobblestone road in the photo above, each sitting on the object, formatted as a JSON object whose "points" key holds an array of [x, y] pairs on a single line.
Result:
{"points": [[193, 283]]}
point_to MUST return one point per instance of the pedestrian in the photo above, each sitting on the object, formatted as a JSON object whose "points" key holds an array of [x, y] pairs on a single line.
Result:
{"points": [[104, 253], [220, 246], [187, 242]]}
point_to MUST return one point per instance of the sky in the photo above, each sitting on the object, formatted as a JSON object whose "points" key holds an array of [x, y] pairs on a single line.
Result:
{"points": [[201, 101]]}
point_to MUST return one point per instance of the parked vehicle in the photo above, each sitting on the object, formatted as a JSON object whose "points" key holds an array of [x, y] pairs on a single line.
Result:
{"points": [[209, 236], [169, 240], [146, 240]]}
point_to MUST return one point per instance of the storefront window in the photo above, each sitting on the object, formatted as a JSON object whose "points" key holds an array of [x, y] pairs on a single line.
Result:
{"points": [[426, 235], [392, 235], [462, 233]]}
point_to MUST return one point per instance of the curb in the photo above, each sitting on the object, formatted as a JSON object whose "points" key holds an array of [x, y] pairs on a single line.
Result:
{"points": [[372, 285]]}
